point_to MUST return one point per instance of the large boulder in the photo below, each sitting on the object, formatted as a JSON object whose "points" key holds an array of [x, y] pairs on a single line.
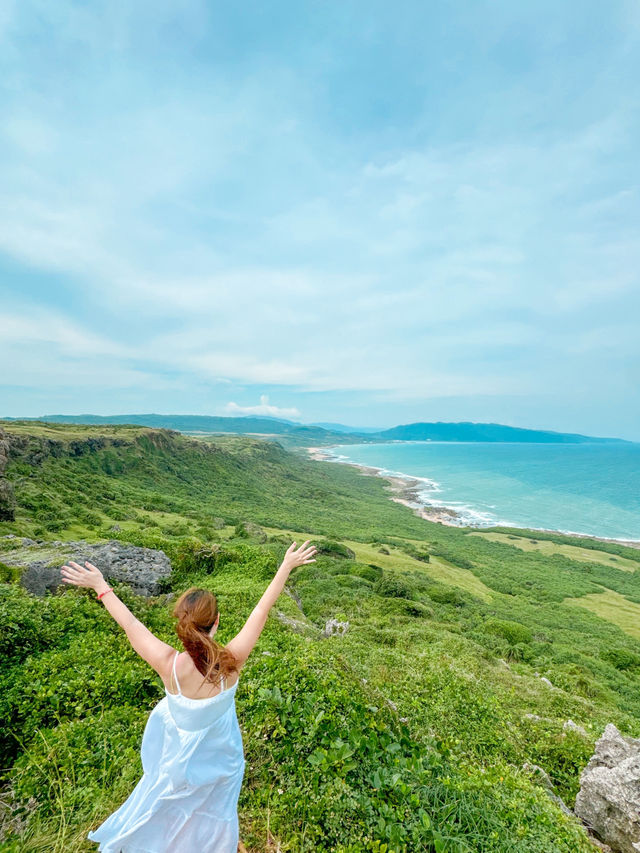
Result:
{"points": [[142, 568], [609, 798]]}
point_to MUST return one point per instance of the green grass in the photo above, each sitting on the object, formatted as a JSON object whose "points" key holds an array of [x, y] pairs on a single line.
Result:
{"points": [[453, 628], [69, 432]]}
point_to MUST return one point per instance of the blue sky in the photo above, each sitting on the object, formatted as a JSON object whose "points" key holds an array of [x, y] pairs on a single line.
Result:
{"points": [[365, 212]]}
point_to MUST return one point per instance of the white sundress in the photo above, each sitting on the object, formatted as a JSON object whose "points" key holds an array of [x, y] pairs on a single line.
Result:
{"points": [[193, 765]]}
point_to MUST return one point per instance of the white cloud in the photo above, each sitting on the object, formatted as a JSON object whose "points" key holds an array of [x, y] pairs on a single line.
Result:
{"points": [[264, 408], [34, 325]]}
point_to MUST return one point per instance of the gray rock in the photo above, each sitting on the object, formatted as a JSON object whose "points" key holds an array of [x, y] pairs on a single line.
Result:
{"points": [[333, 627], [297, 625], [570, 726], [141, 568], [609, 798]]}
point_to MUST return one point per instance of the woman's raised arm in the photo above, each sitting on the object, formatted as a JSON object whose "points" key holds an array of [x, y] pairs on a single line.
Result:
{"points": [[242, 644], [154, 651]]}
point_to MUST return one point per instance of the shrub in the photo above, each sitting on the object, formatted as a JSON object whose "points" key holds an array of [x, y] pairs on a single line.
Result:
{"points": [[197, 556], [9, 574], [416, 553], [394, 586], [451, 556], [563, 754], [210, 558], [370, 572], [621, 658], [26, 625], [513, 632], [355, 583], [240, 531], [417, 608], [177, 528], [257, 563], [519, 652], [251, 531], [279, 539], [144, 539], [446, 595], [335, 549]]}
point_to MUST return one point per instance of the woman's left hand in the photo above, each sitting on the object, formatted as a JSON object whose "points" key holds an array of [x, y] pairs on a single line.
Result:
{"points": [[78, 575], [300, 556]]}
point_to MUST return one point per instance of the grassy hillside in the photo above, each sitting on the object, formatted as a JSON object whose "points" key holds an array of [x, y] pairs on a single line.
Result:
{"points": [[408, 733]]}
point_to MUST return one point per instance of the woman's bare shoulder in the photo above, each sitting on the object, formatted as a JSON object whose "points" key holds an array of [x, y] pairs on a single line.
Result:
{"points": [[190, 676]]}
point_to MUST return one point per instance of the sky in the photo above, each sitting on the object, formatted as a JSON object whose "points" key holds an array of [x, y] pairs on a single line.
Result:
{"points": [[368, 213]]}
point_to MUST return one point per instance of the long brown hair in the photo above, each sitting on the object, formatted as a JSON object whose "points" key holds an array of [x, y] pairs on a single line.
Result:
{"points": [[196, 611]]}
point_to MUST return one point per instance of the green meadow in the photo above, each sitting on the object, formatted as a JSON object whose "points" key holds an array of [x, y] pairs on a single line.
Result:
{"points": [[614, 608], [408, 733], [544, 546]]}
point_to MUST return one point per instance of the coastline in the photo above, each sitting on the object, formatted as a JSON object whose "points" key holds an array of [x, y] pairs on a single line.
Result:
{"points": [[406, 490]]}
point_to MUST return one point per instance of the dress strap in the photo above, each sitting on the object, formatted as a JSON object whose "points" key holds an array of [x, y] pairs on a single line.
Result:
{"points": [[175, 674]]}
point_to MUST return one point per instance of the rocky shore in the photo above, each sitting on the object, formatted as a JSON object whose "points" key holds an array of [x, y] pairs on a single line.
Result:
{"points": [[404, 490]]}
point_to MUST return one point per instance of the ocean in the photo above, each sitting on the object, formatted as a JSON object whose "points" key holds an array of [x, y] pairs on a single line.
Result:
{"points": [[591, 488]]}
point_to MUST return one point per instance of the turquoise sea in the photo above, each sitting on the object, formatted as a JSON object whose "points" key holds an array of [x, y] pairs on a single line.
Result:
{"points": [[589, 488]]}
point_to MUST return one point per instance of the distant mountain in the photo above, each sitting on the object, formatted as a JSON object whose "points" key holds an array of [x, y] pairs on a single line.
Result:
{"points": [[481, 432], [343, 428], [290, 433]]}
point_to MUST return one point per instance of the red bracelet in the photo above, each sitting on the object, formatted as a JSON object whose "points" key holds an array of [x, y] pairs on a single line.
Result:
{"points": [[105, 592]]}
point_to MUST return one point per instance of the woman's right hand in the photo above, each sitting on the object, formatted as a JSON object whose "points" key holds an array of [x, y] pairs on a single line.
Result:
{"points": [[299, 556]]}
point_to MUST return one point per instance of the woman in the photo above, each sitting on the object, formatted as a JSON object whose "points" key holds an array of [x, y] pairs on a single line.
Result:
{"points": [[192, 752]]}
